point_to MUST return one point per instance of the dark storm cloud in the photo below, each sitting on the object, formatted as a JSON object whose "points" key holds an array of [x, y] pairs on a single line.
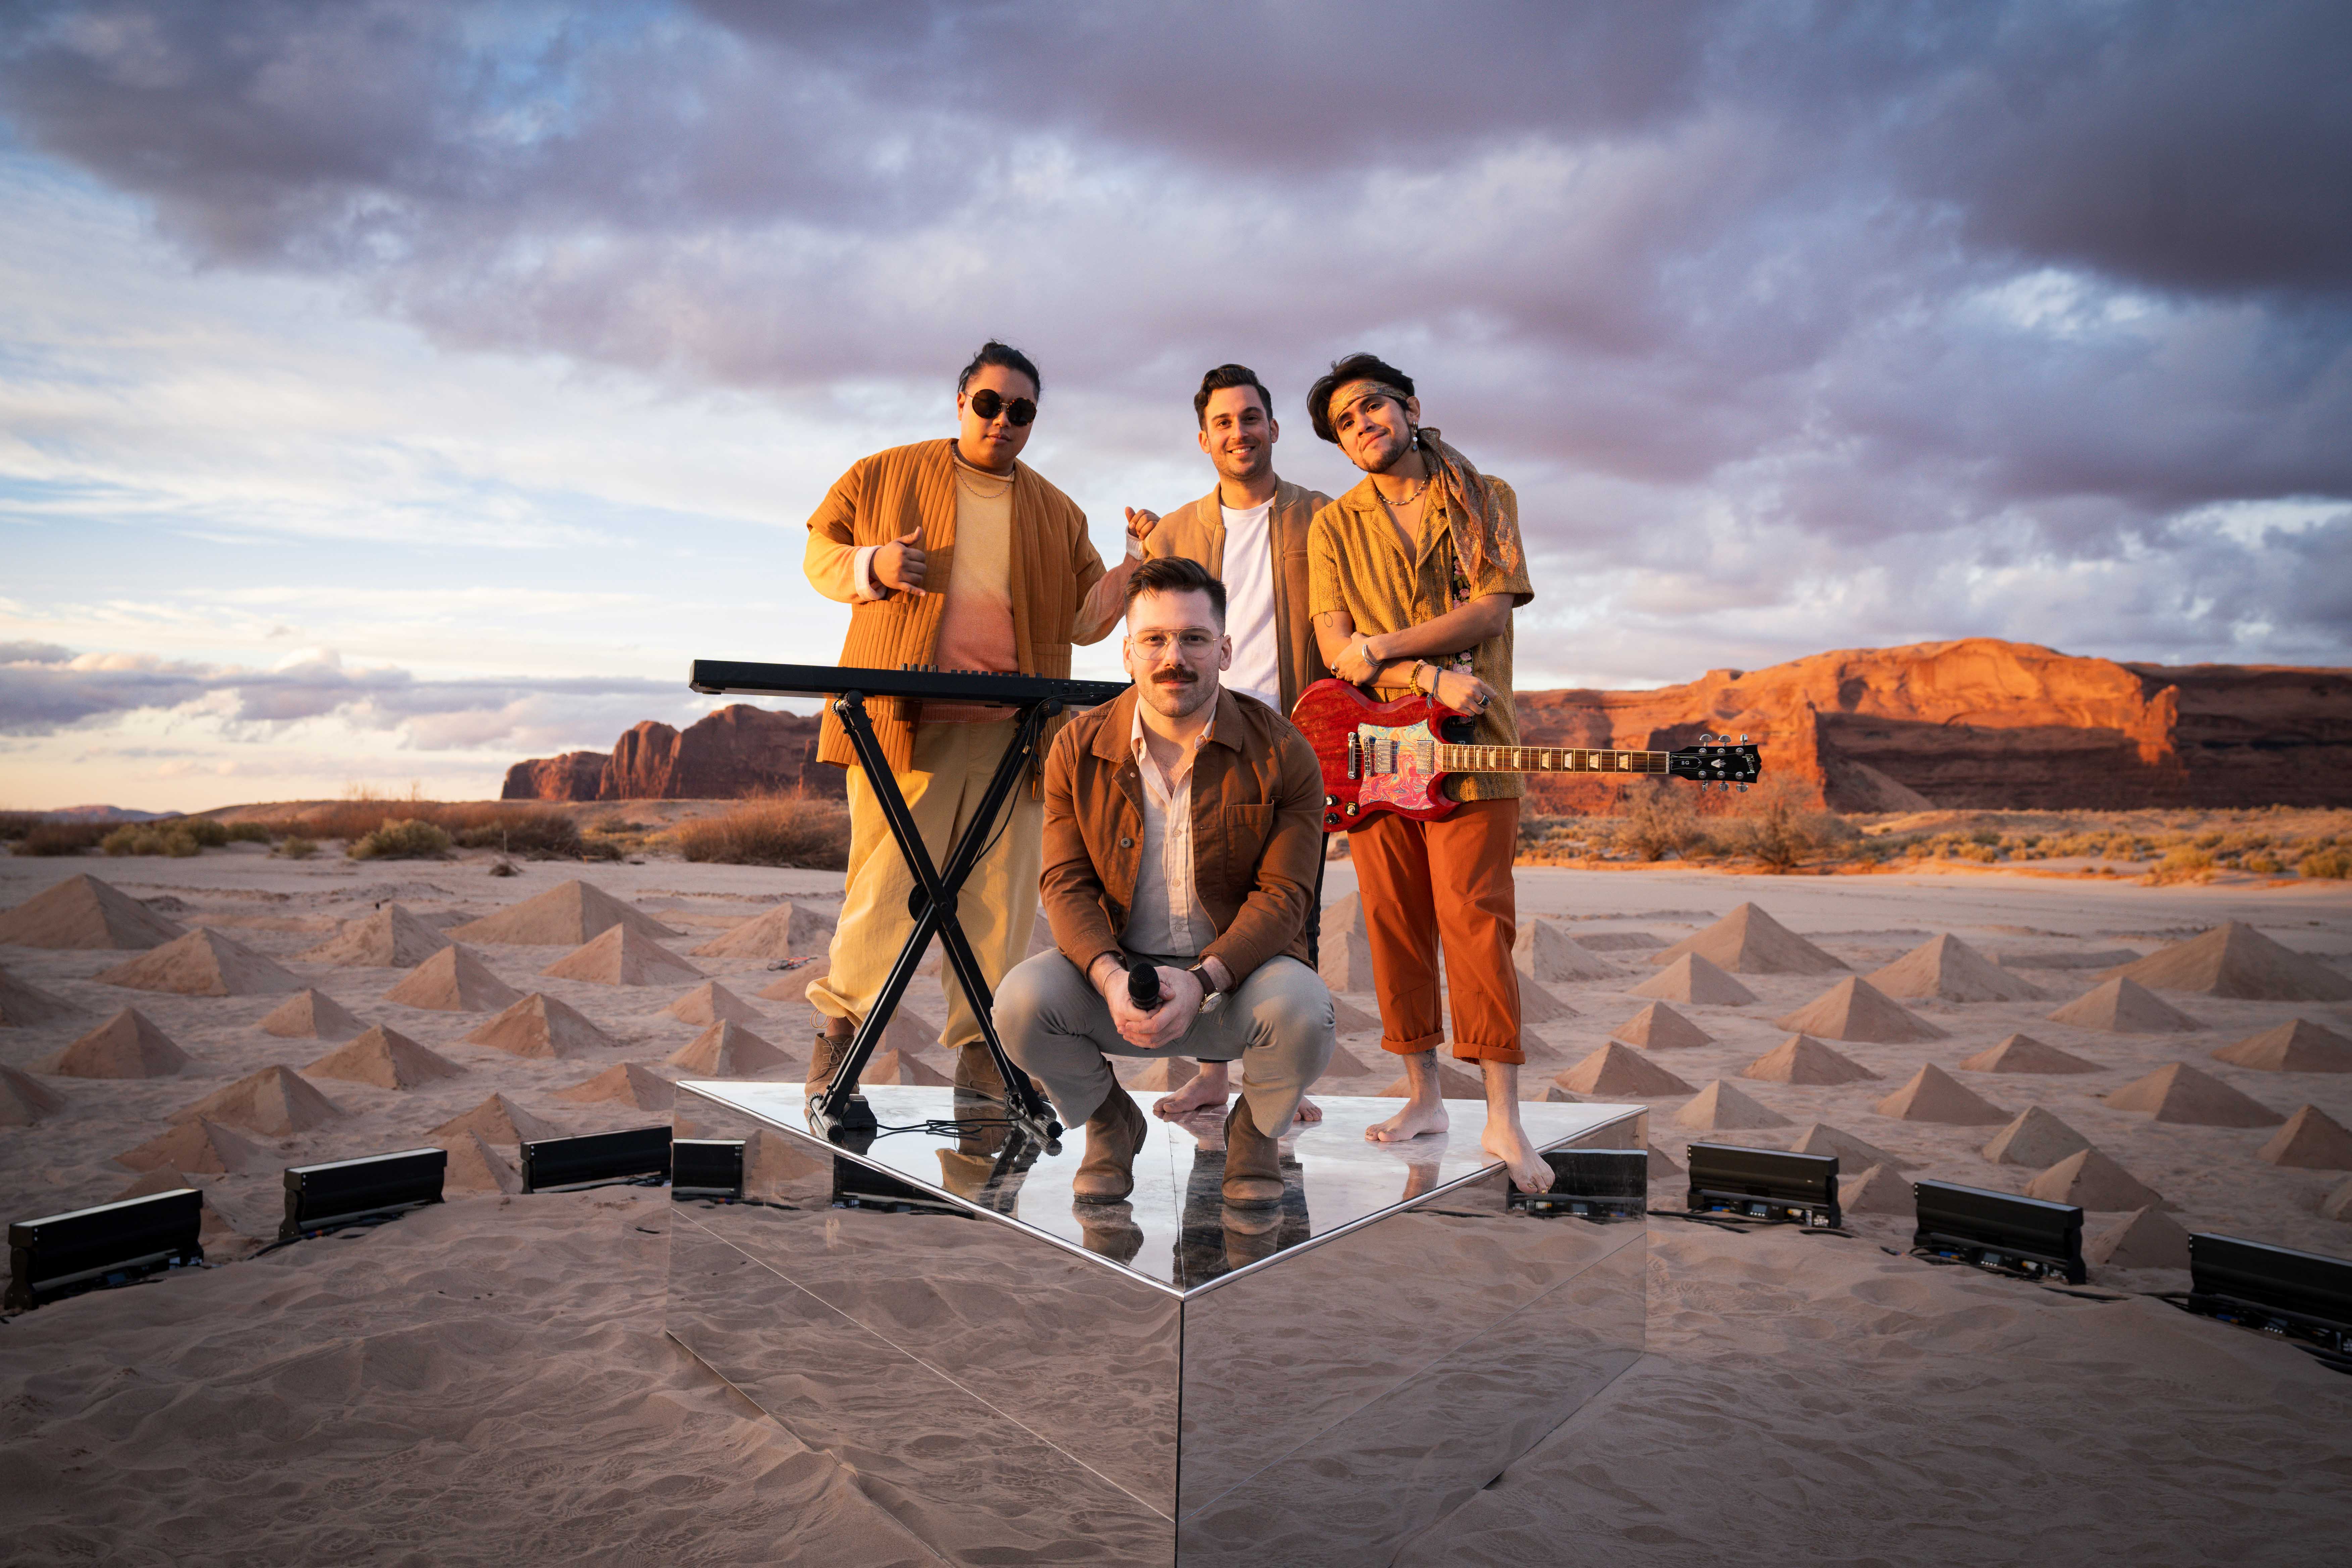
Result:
{"points": [[1769, 291]]}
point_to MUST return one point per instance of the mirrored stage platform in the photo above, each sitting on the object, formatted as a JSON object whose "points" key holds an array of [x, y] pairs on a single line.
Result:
{"points": [[1018, 1377]]}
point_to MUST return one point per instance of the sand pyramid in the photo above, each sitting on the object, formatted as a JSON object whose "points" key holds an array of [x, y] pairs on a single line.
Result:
{"points": [[1933, 1095], [454, 981], [199, 1145], [710, 1002], [2338, 1205], [910, 1033], [1347, 1018], [1876, 1189], [1618, 1069], [2023, 1053], [24, 1006], [1347, 962], [1662, 1164], [793, 987], [2148, 1239], [1947, 967], [1658, 1027], [1159, 1074], [497, 1119], [1346, 1064], [2296, 1046], [1750, 942], [311, 1014], [566, 915], [1852, 1154], [1854, 1010], [728, 1049], [25, 1099], [212, 1230], [1544, 951], [1619, 942], [2179, 1092], [623, 957], [539, 1025], [476, 1167], [205, 962], [2236, 960], [2124, 1007], [390, 938], [384, 1057], [2311, 1141], [2034, 1138], [1692, 978], [1341, 916], [274, 1101], [126, 1046], [787, 931], [624, 1083], [2089, 1180], [82, 911], [1453, 1083], [1801, 1058], [1719, 1108], [1537, 1005], [900, 1068]]}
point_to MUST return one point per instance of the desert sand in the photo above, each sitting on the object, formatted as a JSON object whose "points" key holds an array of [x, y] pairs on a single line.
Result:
{"points": [[487, 1381]]}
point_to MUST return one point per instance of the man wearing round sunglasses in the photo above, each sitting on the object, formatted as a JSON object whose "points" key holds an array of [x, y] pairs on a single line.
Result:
{"points": [[1249, 532], [952, 553]]}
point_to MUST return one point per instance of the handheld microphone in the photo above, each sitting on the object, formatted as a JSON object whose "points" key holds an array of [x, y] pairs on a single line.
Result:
{"points": [[1143, 985]]}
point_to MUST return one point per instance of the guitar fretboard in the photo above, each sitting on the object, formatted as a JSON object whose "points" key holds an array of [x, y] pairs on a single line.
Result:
{"points": [[1452, 759]]}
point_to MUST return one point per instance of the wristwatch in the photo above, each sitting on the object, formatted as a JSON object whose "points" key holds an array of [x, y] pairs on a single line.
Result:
{"points": [[1210, 994]]}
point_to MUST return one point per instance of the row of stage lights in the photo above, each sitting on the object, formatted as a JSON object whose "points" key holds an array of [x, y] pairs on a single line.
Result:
{"points": [[2305, 1297]]}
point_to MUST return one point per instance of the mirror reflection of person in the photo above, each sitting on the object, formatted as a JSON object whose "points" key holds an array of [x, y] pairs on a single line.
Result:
{"points": [[1250, 534], [1416, 572], [1183, 827]]}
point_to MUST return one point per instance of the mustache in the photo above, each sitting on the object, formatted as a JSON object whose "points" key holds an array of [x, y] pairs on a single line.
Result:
{"points": [[1175, 677]]}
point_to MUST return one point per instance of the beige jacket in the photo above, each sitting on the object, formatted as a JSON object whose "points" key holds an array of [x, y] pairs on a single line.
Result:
{"points": [[1196, 531]]}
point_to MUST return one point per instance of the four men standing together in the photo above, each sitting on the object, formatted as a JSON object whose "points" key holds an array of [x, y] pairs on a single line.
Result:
{"points": [[1179, 826]]}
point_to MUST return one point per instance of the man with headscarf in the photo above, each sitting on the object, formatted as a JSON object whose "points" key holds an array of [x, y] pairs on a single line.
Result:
{"points": [[1413, 575]]}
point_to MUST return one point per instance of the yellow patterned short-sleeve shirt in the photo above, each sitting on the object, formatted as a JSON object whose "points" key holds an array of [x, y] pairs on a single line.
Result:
{"points": [[1356, 563]]}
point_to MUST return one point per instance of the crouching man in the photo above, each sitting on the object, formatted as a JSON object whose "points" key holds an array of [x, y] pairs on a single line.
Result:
{"points": [[1183, 830]]}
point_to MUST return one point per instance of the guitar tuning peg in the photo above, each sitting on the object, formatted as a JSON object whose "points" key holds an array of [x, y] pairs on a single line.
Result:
{"points": [[1743, 740], [1743, 789]]}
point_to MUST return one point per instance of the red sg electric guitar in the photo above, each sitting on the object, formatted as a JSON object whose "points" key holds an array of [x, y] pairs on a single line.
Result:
{"points": [[1393, 756]]}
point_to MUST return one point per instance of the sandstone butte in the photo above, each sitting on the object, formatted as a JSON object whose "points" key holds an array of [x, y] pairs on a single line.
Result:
{"points": [[1977, 723]]}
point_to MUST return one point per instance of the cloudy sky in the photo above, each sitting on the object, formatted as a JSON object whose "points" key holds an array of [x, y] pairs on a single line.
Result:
{"points": [[390, 391]]}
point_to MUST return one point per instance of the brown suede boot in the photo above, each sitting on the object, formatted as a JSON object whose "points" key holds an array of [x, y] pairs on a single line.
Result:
{"points": [[1114, 1133], [975, 1071], [1253, 1162], [831, 1045]]}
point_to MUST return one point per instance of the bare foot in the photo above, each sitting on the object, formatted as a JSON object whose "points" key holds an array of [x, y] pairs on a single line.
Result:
{"points": [[1309, 1111], [1508, 1140], [1419, 1116], [1207, 1092]]}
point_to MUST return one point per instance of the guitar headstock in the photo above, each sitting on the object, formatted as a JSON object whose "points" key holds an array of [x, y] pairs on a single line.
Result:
{"points": [[1717, 760]]}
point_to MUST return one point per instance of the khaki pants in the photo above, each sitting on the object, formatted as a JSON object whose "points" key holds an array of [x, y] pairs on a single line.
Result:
{"points": [[1450, 882], [1278, 1025], [998, 907]]}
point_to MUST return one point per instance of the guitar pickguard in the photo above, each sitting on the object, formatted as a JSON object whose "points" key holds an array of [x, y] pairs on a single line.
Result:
{"points": [[1397, 769]]}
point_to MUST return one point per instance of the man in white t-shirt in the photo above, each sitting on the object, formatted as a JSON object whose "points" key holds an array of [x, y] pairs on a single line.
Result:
{"points": [[1251, 534]]}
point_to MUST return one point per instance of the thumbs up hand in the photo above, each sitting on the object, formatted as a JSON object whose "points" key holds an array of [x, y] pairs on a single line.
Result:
{"points": [[900, 565]]}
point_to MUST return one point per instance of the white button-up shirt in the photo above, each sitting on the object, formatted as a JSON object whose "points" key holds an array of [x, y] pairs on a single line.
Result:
{"points": [[1166, 917]]}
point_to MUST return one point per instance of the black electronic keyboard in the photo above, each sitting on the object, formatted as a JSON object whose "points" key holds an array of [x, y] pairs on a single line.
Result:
{"points": [[717, 677]]}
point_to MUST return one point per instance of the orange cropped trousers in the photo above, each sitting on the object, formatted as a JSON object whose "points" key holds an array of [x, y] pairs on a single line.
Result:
{"points": [[1427, 885]]}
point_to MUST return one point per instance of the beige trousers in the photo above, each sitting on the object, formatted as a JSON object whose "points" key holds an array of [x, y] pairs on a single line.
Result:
{"points": [[998, 908]]}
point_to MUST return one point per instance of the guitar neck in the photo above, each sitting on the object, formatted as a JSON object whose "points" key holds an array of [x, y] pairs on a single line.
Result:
{"points": [[1452, 759]]}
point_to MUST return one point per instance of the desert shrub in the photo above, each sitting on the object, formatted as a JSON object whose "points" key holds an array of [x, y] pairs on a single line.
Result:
{"points": [[2262, 863], [2185, 863], [246, 832], [17, 824], [781, 832], [1780, 827], [294, 847], [1660, 819], [540, 835], [172, 839], [2333, 863], [401, 838], [61, 838]]}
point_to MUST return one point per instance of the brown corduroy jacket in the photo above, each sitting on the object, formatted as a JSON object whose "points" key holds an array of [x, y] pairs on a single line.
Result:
{"points": [[1196, 531], [1257, 834], [884, 497]]}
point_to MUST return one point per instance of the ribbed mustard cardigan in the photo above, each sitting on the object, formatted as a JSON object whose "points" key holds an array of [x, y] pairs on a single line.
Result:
{"points": [[885, 497]]}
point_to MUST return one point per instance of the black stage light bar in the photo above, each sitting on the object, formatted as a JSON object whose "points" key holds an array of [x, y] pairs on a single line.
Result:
{"points": [[1764, 1184], [555, 1164], [83, 1249], [2295, 1295], [2000, 1231], [706, 1167], [1598, 1184], [339, 1192]]}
